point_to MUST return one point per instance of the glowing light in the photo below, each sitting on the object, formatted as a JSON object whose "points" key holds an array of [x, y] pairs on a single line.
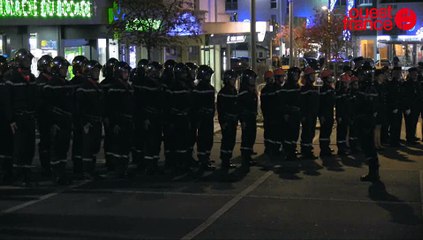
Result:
{"points": [[46, 8]]}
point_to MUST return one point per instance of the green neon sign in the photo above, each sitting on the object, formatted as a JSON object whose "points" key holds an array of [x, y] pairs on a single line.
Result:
{"points": [[46, 8]]}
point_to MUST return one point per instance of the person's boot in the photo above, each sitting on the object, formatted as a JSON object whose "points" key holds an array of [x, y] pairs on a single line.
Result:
{"points": [[246, 163], [78, 169], [308, 154], [373, 175], [59, 175], [325, 152], [45, 164]]}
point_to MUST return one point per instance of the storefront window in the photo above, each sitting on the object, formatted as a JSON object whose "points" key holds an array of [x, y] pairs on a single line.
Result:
{"points": [[367, 48]]}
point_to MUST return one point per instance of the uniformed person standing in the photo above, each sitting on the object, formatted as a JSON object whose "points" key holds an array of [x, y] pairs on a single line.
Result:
{"points": [[394, 106], [290, 98], [192, 68], [6, 143], [44, 67], [228, 112], [59, 100], [20, 96], [268, 106], [326, 113], [119, 112], [412, 98], [138, 81], [352, 101], [381, 132], [105, 85], [90, 105], [179, 104], [309, 104], [247, 103], [153, 100], [343, 113], [204, 109], [78, 79], [364, 119]]}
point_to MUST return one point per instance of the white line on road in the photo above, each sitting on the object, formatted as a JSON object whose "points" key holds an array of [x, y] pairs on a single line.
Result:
{"points": [[226, 207], [42, 198]]}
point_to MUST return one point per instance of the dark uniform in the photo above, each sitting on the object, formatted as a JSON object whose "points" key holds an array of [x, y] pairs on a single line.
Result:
{"points": [[179, 104], [120, 111], [382, 105], [76, 82], [364, 120], [167, 79], [326, 114], [6, 143], [227, 109], [153, 99], [204, 108], [105, 85], [394, 108], [269, 107], [192, 67], [59, 101], [290, 99], [247, 103], [412, 99], [43, 65], [352, 101], [343, 113], [90, 102], [309, 104], [20, 96], [139, 136]]}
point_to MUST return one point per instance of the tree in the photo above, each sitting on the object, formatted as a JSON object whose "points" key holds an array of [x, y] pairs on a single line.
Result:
{"points": [[155, 23], [328, 32]]}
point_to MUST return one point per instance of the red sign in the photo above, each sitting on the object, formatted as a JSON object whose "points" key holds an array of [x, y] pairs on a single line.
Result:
{"points": [[360, 19]]}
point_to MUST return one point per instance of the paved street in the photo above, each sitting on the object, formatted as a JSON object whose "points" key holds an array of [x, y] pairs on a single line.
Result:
{"points": [[321, 199]]}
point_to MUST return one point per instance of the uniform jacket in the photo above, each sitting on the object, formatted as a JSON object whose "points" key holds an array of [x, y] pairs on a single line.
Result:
{"points": [[227, 104], [204, 99], [90, 101]]}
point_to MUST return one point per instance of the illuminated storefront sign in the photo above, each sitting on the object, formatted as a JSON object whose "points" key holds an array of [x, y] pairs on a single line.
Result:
{"points": [[235, 39], [46, 8], [360, 19]]}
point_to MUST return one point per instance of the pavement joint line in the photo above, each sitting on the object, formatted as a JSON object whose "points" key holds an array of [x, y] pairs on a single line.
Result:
{"points": [[213, 218], [233, 195], [41, 198]]}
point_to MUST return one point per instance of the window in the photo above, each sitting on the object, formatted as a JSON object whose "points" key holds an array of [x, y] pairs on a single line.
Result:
{"points": [[273, 4], [365, 2], [287, 7], [231, 5]]}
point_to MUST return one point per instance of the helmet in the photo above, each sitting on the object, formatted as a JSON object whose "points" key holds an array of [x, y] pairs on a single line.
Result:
{"points": [[43, 63], [229, 75], [169, 64], [142, 63], [192, 68], [268, 74], [77, 64], [326, 73], [153, 69], [58, 64], [248, 77], [204, 73], [88, 69], [308, 70], [119, 68], [345, 78], [181, 71], [3, 65], [23, 58], [279, 72], [108, 67]]}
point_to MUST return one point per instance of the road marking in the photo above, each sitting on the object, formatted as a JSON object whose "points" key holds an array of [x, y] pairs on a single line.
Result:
{"points": [[41, 198], [421, 190], [213, 218]]}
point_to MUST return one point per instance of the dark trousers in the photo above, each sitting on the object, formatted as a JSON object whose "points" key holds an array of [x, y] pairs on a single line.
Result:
{"points": [[308, 129], [24, 141], [139, 141], [248, 135], [44, 144], [60, 134], [179, 141], [326, 124], [411, 123], [272, 135], [6, 150], [229, 128], [106, 146], [394, 127], [365, 129], [353, 137], [192, 134], [166, 129], [121, 144], [153, 136], [342, 125], [292, 127], [91, 143], [77, 147], [205, 131]]}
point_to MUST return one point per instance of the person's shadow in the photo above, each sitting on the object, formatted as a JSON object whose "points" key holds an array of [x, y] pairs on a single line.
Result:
{"points": [[400, 211]]}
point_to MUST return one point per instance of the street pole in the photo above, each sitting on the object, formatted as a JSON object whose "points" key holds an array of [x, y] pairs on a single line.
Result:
{"points": [[253, 36], [291, 33]]}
